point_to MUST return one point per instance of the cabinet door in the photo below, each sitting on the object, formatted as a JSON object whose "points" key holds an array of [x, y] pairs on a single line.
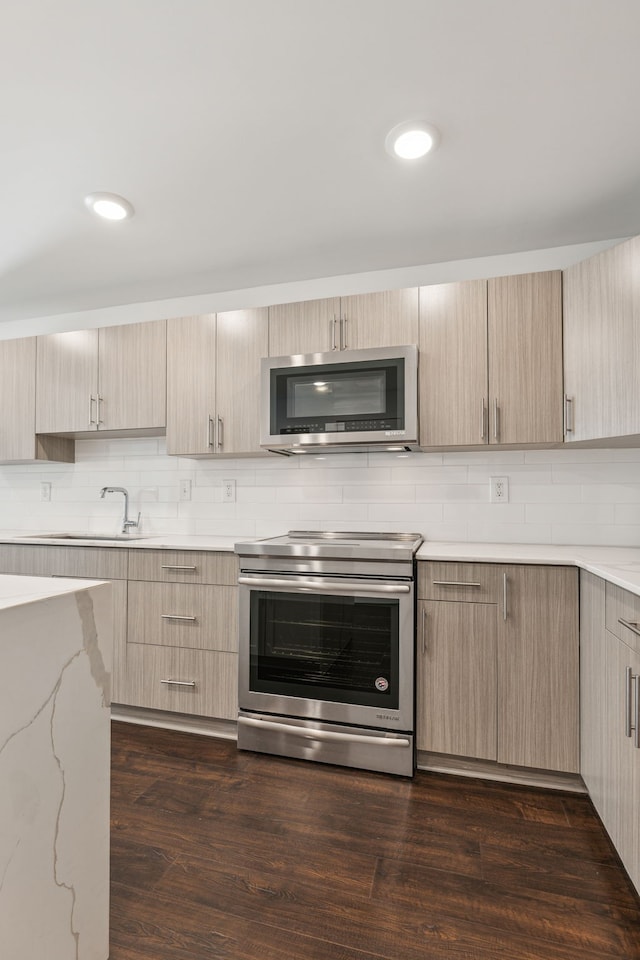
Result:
{"points": [[453, 364], [456, 682], [379, 319], [602, 344], [66, 382], [593, 739], [308, 327], [623, 757], [538, 668], [525, 358], [132, 376], [200, 616], [191, 384], [18, 399], [176, 679], [241, 341]]}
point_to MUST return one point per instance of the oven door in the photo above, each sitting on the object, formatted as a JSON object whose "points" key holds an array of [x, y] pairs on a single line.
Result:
{"points": [[327, 648]]}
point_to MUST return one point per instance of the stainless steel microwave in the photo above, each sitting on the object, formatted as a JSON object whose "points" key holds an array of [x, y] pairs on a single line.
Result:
{"points": [[354, 399]]}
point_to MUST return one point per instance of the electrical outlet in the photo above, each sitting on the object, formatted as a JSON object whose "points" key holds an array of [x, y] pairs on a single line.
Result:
{"points": [[45, 490], [185, 489], [228, 491], [499, 489]]}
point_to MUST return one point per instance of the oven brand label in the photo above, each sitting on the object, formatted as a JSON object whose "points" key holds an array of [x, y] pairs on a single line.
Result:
{"points": [[382, 684]]}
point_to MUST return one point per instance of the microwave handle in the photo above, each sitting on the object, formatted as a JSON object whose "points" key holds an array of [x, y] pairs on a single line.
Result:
{"points": [[326, 586]]}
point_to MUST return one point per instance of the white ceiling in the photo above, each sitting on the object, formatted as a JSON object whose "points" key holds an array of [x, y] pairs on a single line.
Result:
{"points": [[249, 136]]}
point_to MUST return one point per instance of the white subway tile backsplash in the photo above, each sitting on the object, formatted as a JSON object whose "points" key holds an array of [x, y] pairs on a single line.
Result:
{"points": [[384, 493], [571, 495]]}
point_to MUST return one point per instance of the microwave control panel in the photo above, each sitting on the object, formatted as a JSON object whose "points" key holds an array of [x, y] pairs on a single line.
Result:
{"points": [[340, 426]]}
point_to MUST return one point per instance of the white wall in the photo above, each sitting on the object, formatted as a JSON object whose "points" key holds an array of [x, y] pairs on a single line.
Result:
{"points": [[554, 258], [563, 496]]}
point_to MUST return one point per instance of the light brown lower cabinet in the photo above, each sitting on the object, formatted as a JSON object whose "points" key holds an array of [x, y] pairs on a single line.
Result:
{"points": [[201, 682], [610, 712], [498, 676], [175, 620], [182, 633]]}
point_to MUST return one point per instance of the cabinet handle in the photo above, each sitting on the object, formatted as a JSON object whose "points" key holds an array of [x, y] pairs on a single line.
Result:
{"points": [[176, 616], [496, 419], [334, 345], [424, 631], [504, 596], [455, 583], [92, 400], [343, 333], [220, 433], [180, 683], [631, 625], [636, 727], [176, 566], [568, 414], [211, 440], [628, 682], [99, 400], [483, 419]]}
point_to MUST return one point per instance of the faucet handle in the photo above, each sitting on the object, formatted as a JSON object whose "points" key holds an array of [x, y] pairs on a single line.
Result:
{"points": [[131, 523]]}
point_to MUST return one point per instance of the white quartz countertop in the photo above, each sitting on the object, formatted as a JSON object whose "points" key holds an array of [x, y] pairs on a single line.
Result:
{"points": [[156, 542], [619, 565], [16, 591]]}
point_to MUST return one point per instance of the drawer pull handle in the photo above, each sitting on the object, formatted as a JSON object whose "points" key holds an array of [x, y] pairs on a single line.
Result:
{"points": [[176, 566], [631, 625], [456, 583], [177, 616], [180, 683]]}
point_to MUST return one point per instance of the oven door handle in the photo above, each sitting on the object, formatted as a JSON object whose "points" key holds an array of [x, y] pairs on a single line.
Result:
{"points": [[328, 586], [310, 733]]}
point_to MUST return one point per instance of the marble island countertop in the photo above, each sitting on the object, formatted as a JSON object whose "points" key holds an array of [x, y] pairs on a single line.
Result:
{"points": [[619, 565], [18, 590], [56, 638]]}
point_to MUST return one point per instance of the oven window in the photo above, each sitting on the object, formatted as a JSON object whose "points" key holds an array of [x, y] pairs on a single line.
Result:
{"points": [[343, 649]]}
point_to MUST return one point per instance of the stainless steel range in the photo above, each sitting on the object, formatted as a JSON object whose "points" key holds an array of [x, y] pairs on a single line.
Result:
{"points": [[326, 666]]}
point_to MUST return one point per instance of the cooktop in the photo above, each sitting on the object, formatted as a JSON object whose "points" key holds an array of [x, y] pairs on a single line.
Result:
{"points": [[327, 543]]}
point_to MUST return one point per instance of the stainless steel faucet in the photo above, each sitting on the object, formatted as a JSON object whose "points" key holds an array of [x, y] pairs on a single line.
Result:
{"points": [[126, 523]]}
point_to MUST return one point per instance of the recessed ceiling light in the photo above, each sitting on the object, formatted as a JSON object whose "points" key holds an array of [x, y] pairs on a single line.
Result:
{"points": [[109, 206], [411, 140]]}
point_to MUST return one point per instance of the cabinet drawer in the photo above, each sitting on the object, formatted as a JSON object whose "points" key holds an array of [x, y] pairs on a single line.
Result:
{"points": [[182, 566], [37, 560], [472, 582], [622, 605], [208, 681], [201, 616]]}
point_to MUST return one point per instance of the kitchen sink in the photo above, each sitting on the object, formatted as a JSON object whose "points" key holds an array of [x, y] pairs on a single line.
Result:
{"points": [[84, 536]]}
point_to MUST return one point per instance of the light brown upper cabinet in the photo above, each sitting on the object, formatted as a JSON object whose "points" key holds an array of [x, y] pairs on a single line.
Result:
{"points": [[491, 361], [347, 323], [213, 383], [18, 440], [111, 379], [602, 344], [453, 364]]}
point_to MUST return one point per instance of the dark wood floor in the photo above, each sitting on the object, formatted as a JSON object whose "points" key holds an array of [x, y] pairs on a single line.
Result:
{"points": [[220, 854]]}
